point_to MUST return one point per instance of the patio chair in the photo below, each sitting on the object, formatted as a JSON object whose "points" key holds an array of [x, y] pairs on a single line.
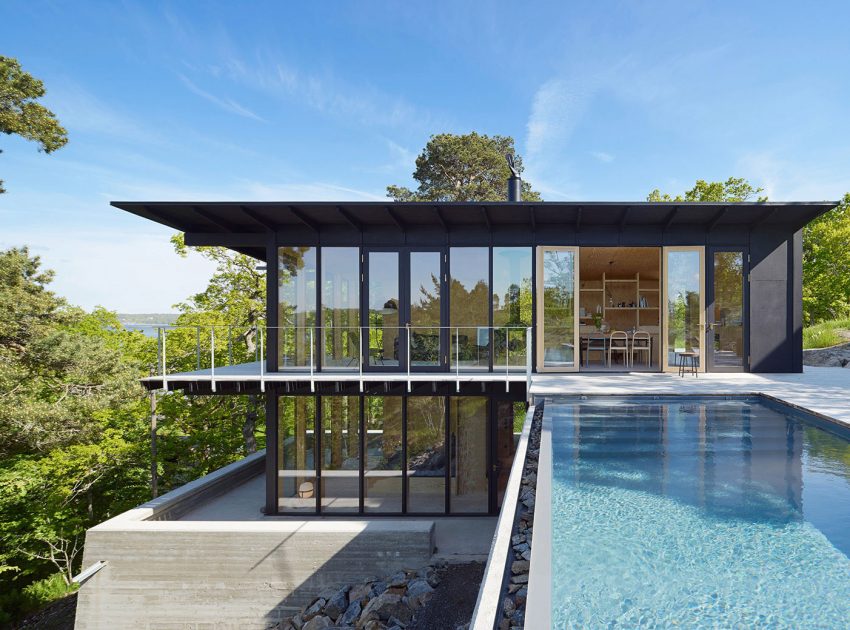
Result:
{"points": [[620, 344], [641, 343], [594, 343]]}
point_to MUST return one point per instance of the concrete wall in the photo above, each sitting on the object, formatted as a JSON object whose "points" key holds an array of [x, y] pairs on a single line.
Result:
{"points": [[231, 574]]}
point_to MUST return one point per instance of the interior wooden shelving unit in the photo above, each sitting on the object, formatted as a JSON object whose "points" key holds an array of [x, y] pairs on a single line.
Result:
{"points": [[615, 282]]}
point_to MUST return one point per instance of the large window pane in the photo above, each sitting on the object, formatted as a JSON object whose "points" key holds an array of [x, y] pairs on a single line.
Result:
{"points": [[340, 473], [383, 308], [512, 302], [469, 305], [468, 424], [684, 330], [296, 454], [297, 305], [425, 308], [383, 454], [341, 307], [426, 454], [559, 342]]}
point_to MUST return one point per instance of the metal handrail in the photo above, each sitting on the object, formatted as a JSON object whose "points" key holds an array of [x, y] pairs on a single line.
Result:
{"points": [[311, 333]]}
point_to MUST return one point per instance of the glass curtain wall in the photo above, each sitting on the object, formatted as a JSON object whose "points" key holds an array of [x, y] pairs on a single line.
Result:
{"points": [[512, 304], [425, 310], [296, 305], [469, 305], [468, 473], [383, 316], [426, 454], [296, 456], [340, 443], [383, 457], [341, 307]]}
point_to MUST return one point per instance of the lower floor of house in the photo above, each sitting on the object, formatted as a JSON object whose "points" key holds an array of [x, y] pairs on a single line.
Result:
{"points": [[391, 454]]}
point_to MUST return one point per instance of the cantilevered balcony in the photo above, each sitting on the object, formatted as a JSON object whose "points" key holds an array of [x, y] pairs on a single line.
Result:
{"points": [[210, 359]]}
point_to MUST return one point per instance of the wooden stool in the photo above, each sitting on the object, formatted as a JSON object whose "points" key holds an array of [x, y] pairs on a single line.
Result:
{"points": [[688, 363]]}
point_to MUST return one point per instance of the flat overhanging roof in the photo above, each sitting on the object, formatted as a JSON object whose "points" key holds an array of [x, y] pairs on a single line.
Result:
{"points": [[263, 217]]}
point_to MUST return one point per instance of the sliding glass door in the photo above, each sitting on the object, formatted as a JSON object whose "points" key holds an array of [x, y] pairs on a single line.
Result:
{"points": [[557, 315], [725, 334], [683, 307]]}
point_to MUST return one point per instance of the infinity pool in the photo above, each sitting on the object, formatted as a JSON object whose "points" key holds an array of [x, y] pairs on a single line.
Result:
{"points": [[697, 513]]}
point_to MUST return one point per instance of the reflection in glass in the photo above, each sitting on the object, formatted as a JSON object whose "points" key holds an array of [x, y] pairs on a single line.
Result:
{"points": [[340, 474], [468, 425], [297, 304], [383, 308], [426, 454], [469, 306], [340, 307], [383, 461], [296, 454], [509, 419], [559, 343], [728, 310], [425, 308], [683, 305], [511, 304]]}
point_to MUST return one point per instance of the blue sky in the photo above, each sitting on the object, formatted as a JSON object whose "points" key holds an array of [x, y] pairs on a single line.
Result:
{"points": [[333, 100]]}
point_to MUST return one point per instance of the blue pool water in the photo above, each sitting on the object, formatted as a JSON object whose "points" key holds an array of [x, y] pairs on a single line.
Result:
{"points": [[697, 513]]}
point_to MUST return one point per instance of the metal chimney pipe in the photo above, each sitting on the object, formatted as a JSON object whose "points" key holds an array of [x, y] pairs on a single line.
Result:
{"points": [[514, 181]]}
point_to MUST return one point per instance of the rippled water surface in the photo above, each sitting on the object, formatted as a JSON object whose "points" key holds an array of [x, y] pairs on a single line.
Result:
{"points": [[697, 513]]}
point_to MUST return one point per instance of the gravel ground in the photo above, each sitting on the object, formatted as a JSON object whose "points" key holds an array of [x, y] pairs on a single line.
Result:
{"points": [[453, 600]]}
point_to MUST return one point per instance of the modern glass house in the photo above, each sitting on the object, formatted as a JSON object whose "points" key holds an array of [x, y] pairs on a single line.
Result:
{"points": [[400, 338]]}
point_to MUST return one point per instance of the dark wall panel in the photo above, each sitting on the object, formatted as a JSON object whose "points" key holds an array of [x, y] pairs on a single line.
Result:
{"points": [[771, 345]]}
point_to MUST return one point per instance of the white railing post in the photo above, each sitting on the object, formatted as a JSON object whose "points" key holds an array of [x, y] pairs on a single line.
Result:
{"points": [[164, 380], [407, 326], [507, 356], [457, 359], [360, 353], [262, 360], [212, 358], [312, 353], [528, 364]]}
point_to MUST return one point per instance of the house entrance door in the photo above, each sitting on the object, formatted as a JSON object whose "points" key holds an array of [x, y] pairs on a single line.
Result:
{"points": [[725, 315]]}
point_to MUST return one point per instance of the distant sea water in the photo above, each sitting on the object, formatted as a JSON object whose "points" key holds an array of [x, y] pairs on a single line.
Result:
{"points": [[148, 330]]}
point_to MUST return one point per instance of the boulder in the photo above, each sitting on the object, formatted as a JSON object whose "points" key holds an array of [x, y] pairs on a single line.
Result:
{"points": [[399, 579], [389, 605], [350, 615], [318, 623], [520, 566], [313, 609], [419, 592], [337, 604], [360, 593]]}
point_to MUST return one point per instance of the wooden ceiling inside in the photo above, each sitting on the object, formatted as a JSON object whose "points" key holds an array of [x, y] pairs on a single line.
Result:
{"points": [[619, 262]]}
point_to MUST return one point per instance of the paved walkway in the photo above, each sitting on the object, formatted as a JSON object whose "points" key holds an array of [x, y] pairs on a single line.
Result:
{"points": [[824, 391]]}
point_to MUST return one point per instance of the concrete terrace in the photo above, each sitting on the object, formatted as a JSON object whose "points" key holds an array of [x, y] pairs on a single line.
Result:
{"points": [[822, 391]]}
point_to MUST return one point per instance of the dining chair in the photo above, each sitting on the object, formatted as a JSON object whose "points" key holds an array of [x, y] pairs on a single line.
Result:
{"points": [[619, 337], [641, 342]]}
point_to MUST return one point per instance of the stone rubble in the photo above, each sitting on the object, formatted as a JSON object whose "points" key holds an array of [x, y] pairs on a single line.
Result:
{"points": [[836, 356], [376, 604], [512, 615]]}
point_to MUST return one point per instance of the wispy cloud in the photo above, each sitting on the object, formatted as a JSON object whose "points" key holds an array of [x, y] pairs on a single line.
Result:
{"points": [[784, 180], [227, 104], [602, 156]]}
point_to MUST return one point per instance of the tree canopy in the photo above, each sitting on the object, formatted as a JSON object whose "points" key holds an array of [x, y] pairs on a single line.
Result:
{"points": [[470, 167], [732, 190], [826, 265], [21, 115]]}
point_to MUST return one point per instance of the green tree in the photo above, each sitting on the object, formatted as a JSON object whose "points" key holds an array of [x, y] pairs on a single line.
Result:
{"points": [[732, 190], [21, 115], [469, 167], [826, 265], [72, 426]]}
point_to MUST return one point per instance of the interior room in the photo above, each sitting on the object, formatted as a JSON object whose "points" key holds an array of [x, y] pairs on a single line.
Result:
{"points": [[619, 308]]}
